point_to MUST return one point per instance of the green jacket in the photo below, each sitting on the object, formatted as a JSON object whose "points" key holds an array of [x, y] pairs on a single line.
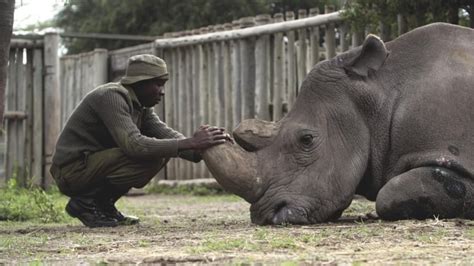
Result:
{"points": [[111, 116]]}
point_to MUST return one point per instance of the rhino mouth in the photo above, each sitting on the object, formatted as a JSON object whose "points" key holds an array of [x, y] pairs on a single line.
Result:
{"points": [[281, 214]]}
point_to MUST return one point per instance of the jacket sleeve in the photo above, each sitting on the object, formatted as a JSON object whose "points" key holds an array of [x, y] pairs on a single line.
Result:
{"points": [[113, 110], [152, 126]]}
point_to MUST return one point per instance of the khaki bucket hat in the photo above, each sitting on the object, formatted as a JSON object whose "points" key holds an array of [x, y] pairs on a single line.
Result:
{"points": [[144, 66]]}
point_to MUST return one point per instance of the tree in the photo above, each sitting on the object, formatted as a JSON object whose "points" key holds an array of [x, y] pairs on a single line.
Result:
{"points": [[374, 15], [146, 17], [156, 17], [7, 8]]}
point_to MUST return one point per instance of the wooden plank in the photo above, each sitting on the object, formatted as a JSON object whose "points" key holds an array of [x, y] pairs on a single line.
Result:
{"points": [[189, 104], [247, 74], [21, 124], [217, 80], [182, 105], [227, 86], [314, 39], [343, 30], [29, 122], [99, 63], [11, 105], [291, 70], [37, 168], [262, 75], [196, 115], [212, 84], [278, 62], [77, 85], [52, 100], [236, 80], [301, 50], [176, 105], [330, 36], [203, 84]]}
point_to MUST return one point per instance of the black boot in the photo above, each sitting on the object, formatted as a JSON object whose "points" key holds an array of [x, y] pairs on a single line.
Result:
{"points": [[106, 203], [86, 210]]}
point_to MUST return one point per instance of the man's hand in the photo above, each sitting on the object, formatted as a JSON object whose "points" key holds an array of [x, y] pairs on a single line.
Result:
{"points": [[205, 137]]}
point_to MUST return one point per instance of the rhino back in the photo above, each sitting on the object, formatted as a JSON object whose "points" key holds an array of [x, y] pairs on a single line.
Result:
{"points": [[432, 70]]}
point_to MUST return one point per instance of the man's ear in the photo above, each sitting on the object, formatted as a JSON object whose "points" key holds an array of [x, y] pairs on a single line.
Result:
{"points": [[371, 57]]}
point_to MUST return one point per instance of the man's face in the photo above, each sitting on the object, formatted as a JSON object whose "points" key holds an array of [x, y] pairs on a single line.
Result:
{"points": [[149, 92]]}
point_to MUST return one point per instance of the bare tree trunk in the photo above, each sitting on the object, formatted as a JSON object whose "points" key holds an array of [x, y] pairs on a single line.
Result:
{"points": [[7, 8]]}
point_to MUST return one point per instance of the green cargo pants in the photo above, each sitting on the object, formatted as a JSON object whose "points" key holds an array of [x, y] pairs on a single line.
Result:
{"points": [[110, 167]]}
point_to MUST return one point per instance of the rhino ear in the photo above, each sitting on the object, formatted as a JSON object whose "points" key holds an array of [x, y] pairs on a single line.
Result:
{"points": [[255, 134], [371, 57]]}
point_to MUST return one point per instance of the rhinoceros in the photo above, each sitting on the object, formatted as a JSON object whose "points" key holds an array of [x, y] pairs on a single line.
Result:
{"points": [[393, 122]]}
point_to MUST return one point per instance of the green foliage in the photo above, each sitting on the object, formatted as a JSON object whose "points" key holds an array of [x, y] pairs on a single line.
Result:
{"points": [[21, 204], [368, 14]]}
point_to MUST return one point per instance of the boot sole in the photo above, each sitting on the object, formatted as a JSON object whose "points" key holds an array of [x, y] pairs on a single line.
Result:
{"points": [[74, 214]]}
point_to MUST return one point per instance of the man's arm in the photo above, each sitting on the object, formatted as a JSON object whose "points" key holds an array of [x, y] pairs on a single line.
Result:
{"points": [[188, 148], [113, 110], [152, 126]]}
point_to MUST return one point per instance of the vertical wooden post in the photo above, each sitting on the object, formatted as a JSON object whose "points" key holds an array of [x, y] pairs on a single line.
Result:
{"points": [[262, 72], [182, 104], [402, 24], [278, 85], [99, 67], [11, 105], [203, 87], [219, 98], [227, 87], [30, 116], [292, 79], [236, 80], [301, 51], [189, 103], [344, 43], [330, 36], [51, 100], [314, 39], [176, 104], [247, 50], [211, 55], [38, 117], [20, 123]]}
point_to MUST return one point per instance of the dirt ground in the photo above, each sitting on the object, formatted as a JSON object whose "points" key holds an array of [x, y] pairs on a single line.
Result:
{"points": [[217, 230]]}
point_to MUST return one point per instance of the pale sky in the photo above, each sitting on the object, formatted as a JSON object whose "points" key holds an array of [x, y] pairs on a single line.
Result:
{"points": [[29, 12]]}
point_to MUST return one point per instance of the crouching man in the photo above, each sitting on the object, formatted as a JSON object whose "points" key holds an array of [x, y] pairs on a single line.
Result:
{"points": [[114, 141]]}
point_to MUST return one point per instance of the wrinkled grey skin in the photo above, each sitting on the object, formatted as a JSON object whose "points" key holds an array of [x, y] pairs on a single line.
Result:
{"points": [[393, 122]]}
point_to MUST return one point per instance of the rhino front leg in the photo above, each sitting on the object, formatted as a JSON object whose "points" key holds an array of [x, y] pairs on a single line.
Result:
{"points": [[426, 192]]}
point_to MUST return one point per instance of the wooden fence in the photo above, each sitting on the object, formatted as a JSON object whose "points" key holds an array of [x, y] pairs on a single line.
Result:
{"points": [[31, 120]]}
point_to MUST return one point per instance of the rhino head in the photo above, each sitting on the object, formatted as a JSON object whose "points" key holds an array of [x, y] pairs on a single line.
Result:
{"points": [[306, 167]]}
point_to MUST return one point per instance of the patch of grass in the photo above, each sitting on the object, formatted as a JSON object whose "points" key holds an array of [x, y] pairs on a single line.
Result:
{"points": [[360, 206], [21, 204], [194, 190]]}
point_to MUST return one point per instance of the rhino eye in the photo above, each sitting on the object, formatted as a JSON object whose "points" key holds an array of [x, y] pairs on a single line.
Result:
{"points": [[307, 139]]}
